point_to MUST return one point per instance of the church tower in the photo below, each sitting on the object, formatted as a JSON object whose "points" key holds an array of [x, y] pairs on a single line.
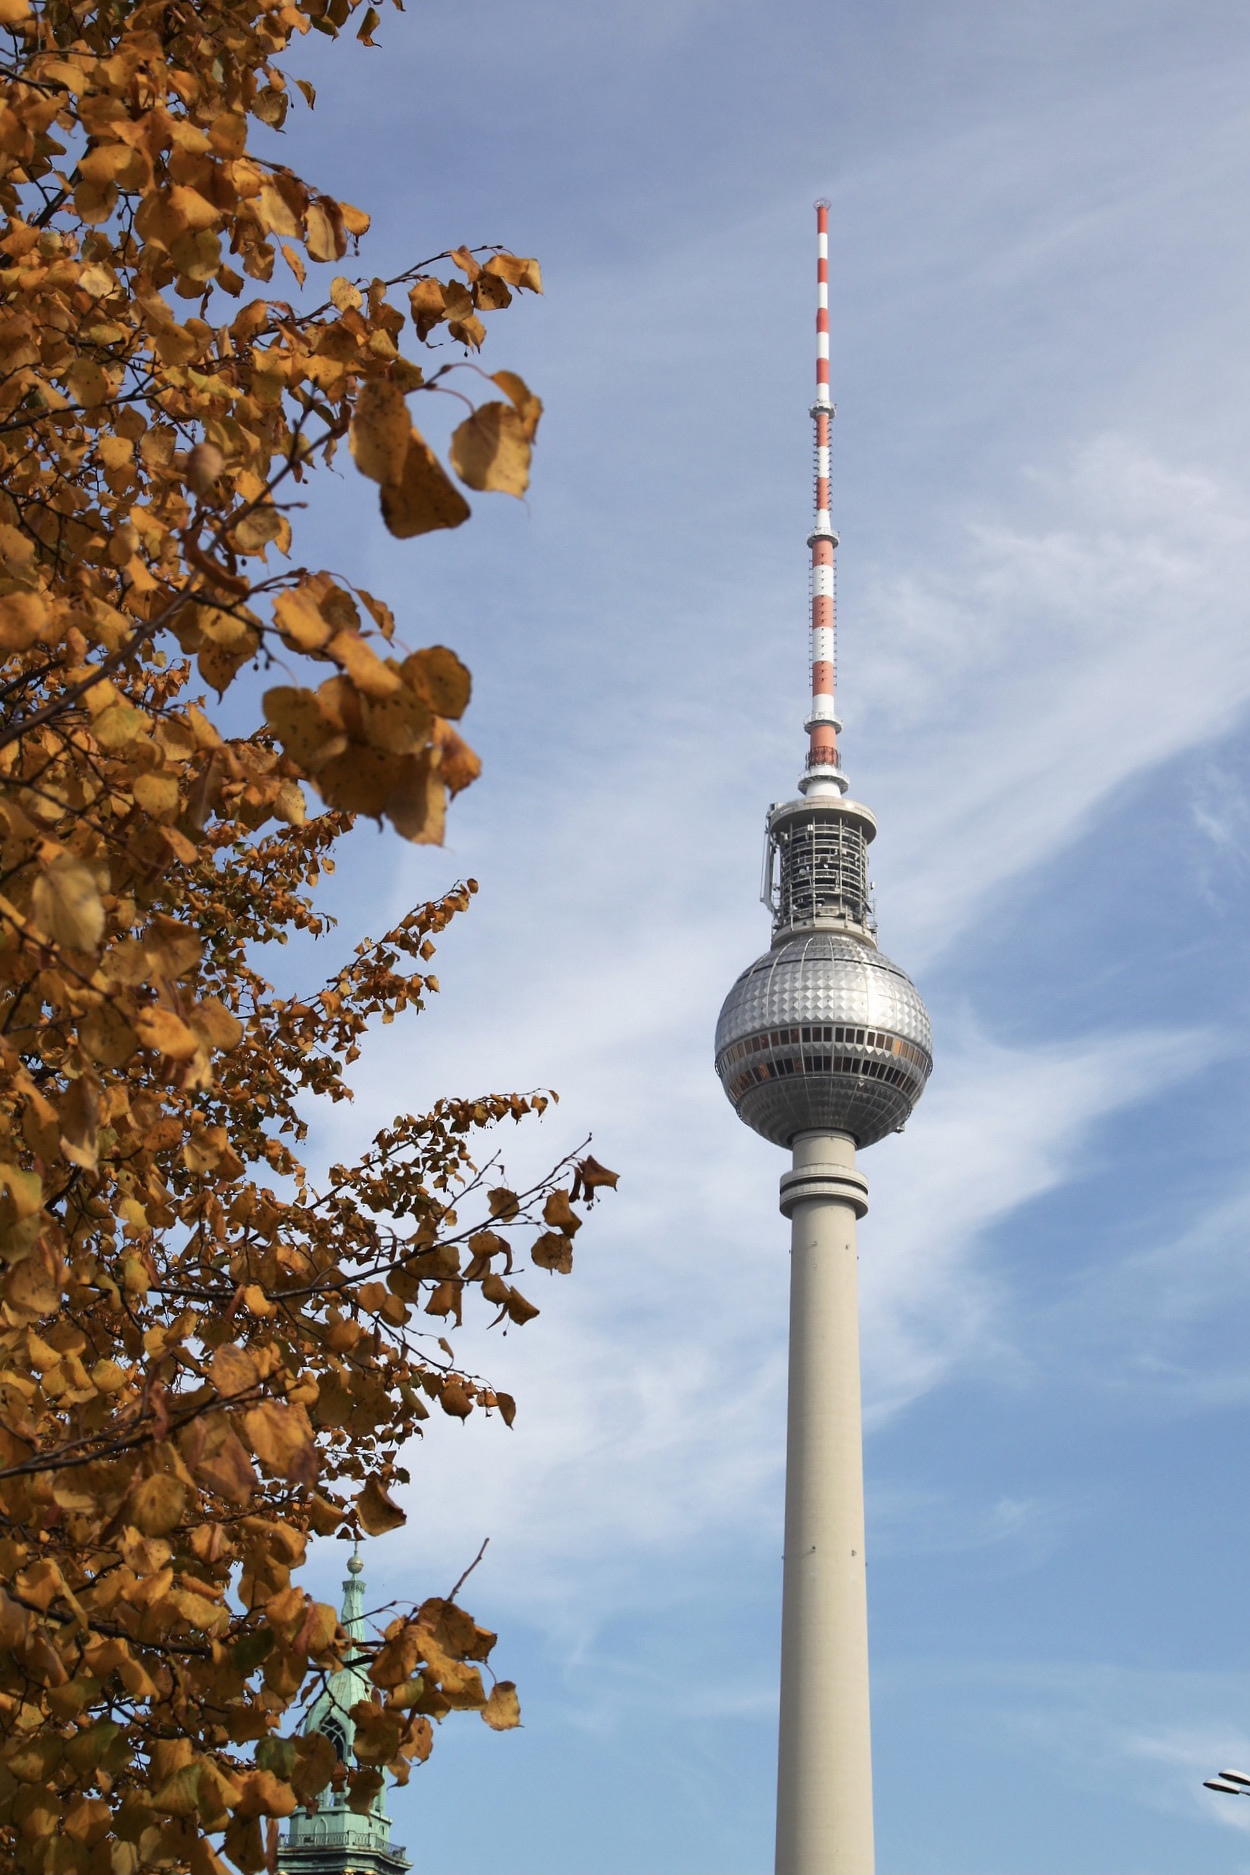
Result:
{"points": [[336, 1840]]}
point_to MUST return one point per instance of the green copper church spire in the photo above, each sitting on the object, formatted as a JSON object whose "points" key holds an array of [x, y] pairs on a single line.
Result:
{"points": [[336, 1840]]}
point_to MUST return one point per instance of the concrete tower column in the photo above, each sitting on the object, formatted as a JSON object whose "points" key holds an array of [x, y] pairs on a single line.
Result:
{"points": [[824, 1772]]}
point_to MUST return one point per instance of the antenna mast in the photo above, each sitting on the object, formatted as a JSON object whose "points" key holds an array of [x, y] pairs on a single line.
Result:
{"points": [[823, 775]]}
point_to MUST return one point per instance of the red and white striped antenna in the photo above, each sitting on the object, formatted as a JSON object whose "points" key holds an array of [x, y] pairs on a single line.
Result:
{"points": [[823, 776]]}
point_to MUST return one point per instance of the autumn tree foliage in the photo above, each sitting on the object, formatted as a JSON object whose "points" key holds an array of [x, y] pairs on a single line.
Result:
{"points": [[207, 1354]]}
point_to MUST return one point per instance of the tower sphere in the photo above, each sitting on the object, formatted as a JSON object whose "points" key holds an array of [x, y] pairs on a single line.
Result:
{"points": [[824, 1034]]}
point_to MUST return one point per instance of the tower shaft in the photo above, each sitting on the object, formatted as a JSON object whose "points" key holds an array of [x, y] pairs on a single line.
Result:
{"points": [[824, 1771]]}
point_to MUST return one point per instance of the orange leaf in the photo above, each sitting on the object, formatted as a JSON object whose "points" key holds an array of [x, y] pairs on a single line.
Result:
{"points": [[377, 1511]]}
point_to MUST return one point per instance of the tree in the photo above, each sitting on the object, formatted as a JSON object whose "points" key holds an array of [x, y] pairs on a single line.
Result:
{"points": [[205, 1356]]}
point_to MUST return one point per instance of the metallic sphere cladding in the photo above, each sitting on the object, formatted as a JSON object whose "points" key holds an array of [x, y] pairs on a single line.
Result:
{"points": [[824, 1034]]}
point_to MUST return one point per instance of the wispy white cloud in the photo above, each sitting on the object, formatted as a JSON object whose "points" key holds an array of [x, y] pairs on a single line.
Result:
{"points": [[1142, 1736], [914, 1520], [652, 1388], [999, 1129], [1164, 1323], [1047, 663]]}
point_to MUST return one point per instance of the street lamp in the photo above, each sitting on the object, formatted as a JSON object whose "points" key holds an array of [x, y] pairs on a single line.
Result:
{"points": [[1234, 1783]]}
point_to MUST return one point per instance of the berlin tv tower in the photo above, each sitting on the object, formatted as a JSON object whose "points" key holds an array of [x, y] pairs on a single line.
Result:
{"points": [[823, 1046]]}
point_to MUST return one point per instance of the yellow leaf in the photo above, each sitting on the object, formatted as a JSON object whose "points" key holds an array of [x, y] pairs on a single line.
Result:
{"points": [[354, 219], [22, 618], [516, 271], [165, 1033], [306, 733], [233, 1369], [115, 452], [299, 619], [228, 134], [399, 723], [118, 726], [263, 1795], [502, 1710], [424, 497], [528, 407], [491, 450], [380, 431], [171, 949], [156, 1504], [344, 295], [66, 904], [107, 1036], [259, 527], [377, 1510], [417, 804], [157, 794], [368, 26], [292, 258], [13, 12], [24, 1188], [218, 1460], [196, 254], [215, 1025], [219, 664], [379, 612], [97, 280], [282, 1440], [458, 764], [365, 668], [360, 781], [428, 300], [290, 804], [326, 238], [16, 550], [193, 210], [88, 383], [80, 1117], [437, 675], [276, 212]]}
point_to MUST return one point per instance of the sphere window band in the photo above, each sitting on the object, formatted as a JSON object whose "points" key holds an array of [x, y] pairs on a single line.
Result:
{"points": [[914, 1075]]}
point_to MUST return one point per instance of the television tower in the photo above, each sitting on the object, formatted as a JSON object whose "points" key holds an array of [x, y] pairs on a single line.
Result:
{"points": [[823, 1045]]}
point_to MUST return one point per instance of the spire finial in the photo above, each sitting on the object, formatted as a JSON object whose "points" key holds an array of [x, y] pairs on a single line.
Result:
{"points": [[823, 775]]}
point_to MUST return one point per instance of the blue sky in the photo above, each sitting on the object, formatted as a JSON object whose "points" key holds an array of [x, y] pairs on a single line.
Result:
{"points": [[1039, 290]]}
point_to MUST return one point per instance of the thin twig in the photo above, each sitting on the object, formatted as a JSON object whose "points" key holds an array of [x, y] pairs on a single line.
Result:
{"points": [[469, 1571]]}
